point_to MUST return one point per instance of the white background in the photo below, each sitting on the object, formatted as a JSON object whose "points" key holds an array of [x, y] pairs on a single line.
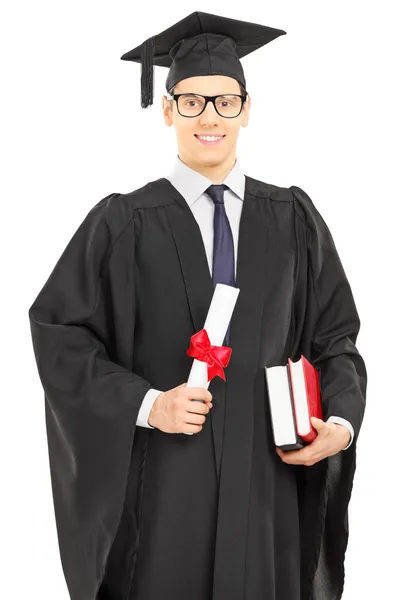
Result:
{"points": [[324, 116]]}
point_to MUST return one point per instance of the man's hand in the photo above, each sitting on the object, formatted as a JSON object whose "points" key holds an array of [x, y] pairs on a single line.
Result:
{"points": [[175, 411], [331, 439]]}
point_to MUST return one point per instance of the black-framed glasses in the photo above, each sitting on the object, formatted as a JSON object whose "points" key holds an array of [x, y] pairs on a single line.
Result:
{"points": [[228, 106]]}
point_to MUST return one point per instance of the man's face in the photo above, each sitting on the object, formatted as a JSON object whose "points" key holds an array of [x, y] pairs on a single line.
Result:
{"points": [[208, 123]]}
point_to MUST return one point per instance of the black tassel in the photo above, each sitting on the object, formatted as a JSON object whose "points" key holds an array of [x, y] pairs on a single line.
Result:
{"points": [[147, 73]]}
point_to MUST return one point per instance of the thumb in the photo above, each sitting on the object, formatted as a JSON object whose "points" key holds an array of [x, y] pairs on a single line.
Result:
{"points": [[180, 386], [317, 423]]}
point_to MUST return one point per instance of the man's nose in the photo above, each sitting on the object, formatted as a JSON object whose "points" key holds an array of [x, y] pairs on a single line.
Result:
{"points": [[209, 114]]}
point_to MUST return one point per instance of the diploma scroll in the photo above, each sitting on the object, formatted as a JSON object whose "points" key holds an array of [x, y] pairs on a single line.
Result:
{"points": [[217, 322]]}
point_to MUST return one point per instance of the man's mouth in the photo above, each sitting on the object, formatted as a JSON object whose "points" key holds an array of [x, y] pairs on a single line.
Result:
{"points": [[209, 140]]}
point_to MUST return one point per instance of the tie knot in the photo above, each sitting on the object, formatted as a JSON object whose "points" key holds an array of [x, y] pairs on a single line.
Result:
{"points": [[216, 192]]}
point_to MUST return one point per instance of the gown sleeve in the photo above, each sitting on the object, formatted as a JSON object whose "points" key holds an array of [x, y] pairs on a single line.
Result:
{"points": [[332, 321], [91, 402]]}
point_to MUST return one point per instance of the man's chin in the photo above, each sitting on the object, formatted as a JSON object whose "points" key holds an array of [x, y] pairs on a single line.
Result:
{"points": [[211, 154]]}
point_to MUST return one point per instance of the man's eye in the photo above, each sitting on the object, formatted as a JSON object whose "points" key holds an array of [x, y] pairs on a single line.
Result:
{"points": [[225, 103]]}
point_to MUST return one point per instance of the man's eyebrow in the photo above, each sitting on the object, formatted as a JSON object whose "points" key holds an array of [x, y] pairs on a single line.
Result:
{"points": [[200, 94]]}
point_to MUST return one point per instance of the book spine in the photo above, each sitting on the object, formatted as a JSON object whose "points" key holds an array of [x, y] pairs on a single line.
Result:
{"points": [[300, 442]]}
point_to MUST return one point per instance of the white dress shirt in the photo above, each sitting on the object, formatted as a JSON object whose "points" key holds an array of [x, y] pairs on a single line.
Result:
{"points": [[192, 185]]}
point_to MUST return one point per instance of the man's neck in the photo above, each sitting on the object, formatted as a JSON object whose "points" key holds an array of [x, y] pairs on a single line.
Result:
{"points": [[216, 173]]}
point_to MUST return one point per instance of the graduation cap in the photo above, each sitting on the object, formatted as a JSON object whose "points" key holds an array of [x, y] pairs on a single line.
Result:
{"points": [[199, 44]]}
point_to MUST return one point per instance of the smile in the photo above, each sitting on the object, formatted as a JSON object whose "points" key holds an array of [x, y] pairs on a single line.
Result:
{"points": [[209, 140]]}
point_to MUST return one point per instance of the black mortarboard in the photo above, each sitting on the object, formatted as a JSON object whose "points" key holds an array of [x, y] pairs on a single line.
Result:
{"points": [[199, 44]]}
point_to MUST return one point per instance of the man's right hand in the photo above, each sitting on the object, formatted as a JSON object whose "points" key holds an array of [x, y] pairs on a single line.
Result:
{"points": [[174, 411]]}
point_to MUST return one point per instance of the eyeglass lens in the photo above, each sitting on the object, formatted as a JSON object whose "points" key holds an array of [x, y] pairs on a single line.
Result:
{"points": [[191, 105]]}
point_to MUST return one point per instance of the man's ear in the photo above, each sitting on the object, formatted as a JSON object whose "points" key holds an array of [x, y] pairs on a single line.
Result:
{"points": [[167, 111], [246, 110]]}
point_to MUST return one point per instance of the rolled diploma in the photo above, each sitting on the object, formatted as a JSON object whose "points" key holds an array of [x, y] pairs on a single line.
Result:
{"points": [[217, 321]]}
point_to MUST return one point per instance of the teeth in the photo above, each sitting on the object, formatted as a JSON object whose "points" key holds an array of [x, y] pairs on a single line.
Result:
{"points": [[210, 138]]}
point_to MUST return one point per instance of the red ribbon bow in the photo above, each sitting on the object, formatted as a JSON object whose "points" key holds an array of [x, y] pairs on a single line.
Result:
{"points": [[215, 356]]}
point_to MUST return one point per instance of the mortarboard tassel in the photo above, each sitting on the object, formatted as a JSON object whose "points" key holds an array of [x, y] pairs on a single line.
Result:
{"points": [[147, 73]]}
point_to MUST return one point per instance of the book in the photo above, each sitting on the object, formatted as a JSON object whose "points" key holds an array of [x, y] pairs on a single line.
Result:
{"points": [[294, 397]]}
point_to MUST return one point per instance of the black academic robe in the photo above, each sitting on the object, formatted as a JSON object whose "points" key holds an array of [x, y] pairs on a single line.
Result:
{"points": [[147, 515]]}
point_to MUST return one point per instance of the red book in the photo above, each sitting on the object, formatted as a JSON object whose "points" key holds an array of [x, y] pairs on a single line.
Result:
{"points": [[294, 397]]}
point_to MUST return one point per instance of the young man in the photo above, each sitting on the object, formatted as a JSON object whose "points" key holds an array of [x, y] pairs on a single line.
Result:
{"points": [[143, 511]]}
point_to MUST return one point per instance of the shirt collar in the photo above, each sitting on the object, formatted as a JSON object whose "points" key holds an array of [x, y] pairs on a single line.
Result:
{"points": [[191, 184]]}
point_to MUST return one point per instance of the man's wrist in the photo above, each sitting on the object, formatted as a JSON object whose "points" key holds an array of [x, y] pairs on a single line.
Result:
{"points": [[346, 434], [346, 424], [153, 410]]}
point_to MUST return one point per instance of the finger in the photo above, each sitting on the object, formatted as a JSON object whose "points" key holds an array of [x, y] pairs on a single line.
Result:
{"points": [[301, 453], [307, 459], [319, 424], [194, 419], [295, 456], [198, 393], [189, 428], [200, 408]]}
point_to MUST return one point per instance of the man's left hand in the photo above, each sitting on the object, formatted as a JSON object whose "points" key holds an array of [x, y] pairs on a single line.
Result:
{"points": [[331, 439]]}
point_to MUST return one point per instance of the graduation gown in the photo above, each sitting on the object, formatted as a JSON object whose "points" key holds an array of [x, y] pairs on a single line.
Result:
{"points": [[142, 514]]}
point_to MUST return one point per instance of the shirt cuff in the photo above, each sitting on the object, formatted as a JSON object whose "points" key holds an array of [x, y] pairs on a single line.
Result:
{"points": [[146, 406], [346, 423]]}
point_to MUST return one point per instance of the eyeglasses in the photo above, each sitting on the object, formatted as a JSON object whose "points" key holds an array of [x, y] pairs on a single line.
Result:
{"points": [[228, 106]]}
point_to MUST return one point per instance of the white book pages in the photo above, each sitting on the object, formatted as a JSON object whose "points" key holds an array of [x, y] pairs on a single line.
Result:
{"points": [[280, 405]]}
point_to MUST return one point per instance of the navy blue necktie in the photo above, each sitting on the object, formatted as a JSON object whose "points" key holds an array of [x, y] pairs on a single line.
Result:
{"points": [[223, 252]]}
